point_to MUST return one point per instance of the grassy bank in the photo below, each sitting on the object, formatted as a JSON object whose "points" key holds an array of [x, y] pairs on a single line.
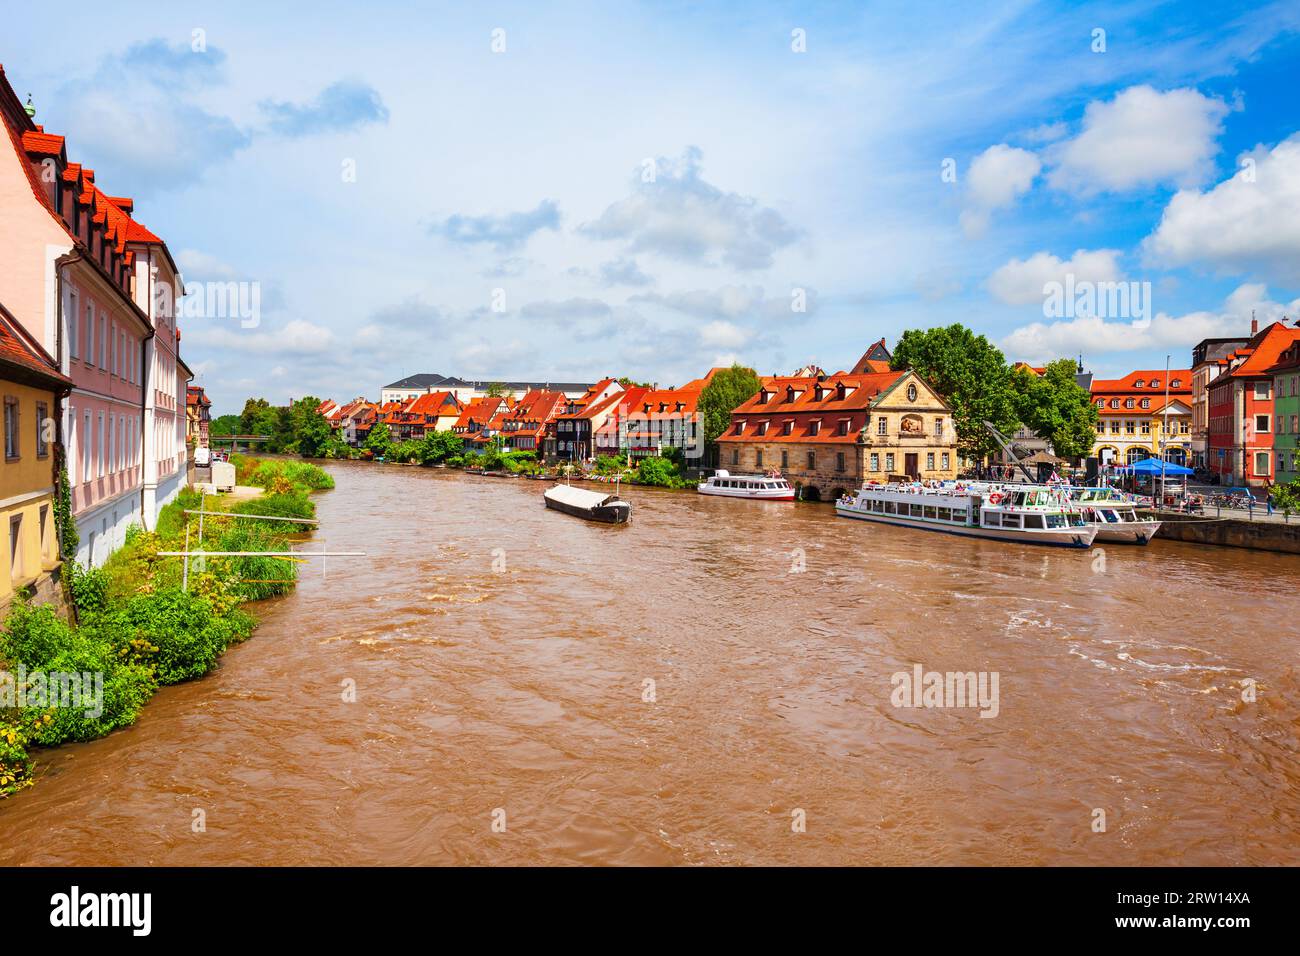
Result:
{"points": [[136, 627]]}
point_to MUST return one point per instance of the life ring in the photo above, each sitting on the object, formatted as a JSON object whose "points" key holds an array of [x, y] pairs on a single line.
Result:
{"points": [[995, 498]]}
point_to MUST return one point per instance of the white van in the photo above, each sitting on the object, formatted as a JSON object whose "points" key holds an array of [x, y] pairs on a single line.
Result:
{"points": [[202, 456]]}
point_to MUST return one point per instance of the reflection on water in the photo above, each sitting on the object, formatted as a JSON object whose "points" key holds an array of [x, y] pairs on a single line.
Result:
{"points": [[503, 656]]}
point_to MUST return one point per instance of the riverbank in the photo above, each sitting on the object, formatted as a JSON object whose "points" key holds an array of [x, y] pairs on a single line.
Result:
{"points": [[140, 622]]}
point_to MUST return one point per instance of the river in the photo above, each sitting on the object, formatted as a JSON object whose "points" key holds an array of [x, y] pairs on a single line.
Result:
{"points": [[531, 688]]}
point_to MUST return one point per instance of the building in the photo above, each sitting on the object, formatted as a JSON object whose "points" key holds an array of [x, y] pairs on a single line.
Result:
{"points": [[33, 390], [1241, 411], [572, 436], [829, 434], [665, 418], [874, 360], [465, 390], [1207, 363], [524, 427], [475, 419], [95, 289], [430, 412], [1286, 409], [198, 415], [1145, 414]]}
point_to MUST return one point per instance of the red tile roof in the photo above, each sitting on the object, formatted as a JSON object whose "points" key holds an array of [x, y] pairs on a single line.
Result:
{"points": [[479, 411], [796, 400], [21, 354], [1153, 382], [1264, 350]]}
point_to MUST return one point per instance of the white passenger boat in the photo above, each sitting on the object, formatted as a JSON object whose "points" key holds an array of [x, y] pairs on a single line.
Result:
{"points": [[1116, 517], [769, 487], [1031, 515]]}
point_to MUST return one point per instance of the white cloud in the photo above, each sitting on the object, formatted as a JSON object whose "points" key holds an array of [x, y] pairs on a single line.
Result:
{"points": [[201, 265], [1040, 341], [1140, 138], [1249, 223], [730, 302], [295, 338], [998, 176], [1021, 281], [678, 215], [724, 335]]}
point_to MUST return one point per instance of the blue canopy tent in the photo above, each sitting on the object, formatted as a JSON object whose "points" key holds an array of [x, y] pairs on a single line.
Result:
{"points": [[1157, 466]]}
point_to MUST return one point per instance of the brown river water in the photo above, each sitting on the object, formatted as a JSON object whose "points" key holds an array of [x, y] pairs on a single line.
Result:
{"points": [[501, 654]]}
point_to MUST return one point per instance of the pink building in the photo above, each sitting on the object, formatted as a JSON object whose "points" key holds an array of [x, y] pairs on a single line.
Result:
{"points": [[80, 274]]}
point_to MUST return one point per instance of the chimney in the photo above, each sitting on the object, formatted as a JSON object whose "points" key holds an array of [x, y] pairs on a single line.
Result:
{"points": [[1254, 324]]}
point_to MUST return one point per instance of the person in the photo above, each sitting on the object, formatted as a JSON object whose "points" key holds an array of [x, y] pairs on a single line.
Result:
{"points": [[1268, 496]]}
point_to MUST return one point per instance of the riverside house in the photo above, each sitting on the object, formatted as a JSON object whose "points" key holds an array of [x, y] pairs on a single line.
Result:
{"points": [[475, 418], [1145, 414], [524, 427], [1286, 409], [33, 389], [430, 412], [1242, 418], [575, 427], [831, 433]]}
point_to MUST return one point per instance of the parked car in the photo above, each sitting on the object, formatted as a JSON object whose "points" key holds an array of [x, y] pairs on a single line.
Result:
{"points": [[202, 456]]}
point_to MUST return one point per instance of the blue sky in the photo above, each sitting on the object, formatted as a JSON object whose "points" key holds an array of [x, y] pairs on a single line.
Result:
{"points": [[593, 189]]}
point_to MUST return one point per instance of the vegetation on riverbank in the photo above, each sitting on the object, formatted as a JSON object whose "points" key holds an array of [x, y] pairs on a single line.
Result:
{"points": [[137, 627]]}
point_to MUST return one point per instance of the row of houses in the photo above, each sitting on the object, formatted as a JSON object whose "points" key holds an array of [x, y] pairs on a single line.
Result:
{"points": [[93, 378]]}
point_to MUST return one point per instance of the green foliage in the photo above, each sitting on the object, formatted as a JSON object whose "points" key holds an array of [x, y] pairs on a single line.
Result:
{"points": [[611, 464], [89, 588], [629, 383], [64, 524], [497, 390], [729, 389], [1056, 408], [970, 374], [175, 634], [657, 471], [380, 440], [436, 447], [311, 430], [226, 425], [280, 506], [1286, 498], [262, 472]]}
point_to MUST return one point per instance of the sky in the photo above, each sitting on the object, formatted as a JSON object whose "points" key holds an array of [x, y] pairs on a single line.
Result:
{"points": [[569, 191]]}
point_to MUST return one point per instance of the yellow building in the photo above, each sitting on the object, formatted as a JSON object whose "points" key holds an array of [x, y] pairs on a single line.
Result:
{"points": [[1146, 414], [31, 389]]}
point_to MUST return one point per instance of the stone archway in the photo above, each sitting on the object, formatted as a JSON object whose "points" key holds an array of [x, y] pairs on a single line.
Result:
{"points": [[810, 493]]}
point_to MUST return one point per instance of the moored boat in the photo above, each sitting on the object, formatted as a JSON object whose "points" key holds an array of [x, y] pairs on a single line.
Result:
{"points": [[769, 487], [1026, 515], [592, 505], [1115, 516]]}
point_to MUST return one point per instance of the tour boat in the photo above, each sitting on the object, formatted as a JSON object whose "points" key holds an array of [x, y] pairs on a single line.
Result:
{"points": [[592, 505], [1115, 517], [769, 487], [1027, 515]]}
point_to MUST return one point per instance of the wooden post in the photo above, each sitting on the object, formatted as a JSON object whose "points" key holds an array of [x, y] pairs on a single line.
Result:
{"points": [[185, 577]]}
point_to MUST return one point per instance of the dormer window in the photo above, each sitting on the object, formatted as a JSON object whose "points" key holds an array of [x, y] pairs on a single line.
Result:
{"points": [[1114, 403], [1128, 403], [839, 391], [1139, 383], [1101, 403], [1175, 383], [763, 396], [740, 428], [1146, 403], [1155, 383], [843, 427], [815, 426], [762, 428], [788, 427]]}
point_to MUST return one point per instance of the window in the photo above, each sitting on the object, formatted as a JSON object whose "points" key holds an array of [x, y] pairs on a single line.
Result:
{"points": [[16, 547], [1146, 428], [882, 425], [112, 348], [90, 334], [74, 317], [785, 460], [1128, 403], [1146, 403], [110, 464], [929, 461], [11, 428], [1261, 424], [42, 416], [99, 445], [843, 427], [938, 428], [735, 456], [839, 461], [1139, 383], [1155, 383], [1101, 403], [812, 460], [1262, 391], [758, 459], [1175, 382], [762, 428], [44, 529], [787, 428], [945, 461], [1130, 427], [85, 448], [889, 462], [875, 461], [815, 427], [103, 341], [1262, 461]]}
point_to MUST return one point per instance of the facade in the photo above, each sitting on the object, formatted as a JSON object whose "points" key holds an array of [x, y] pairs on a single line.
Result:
{"points": [[524, 427], [1145, 414], [1242, 417], [475, 420], [829, 434], [1206, 366], [430, 412], [573, 433], [86, 280], [1286, 402], [413, 386], [198, 415], [33, 389], [663, 419]]}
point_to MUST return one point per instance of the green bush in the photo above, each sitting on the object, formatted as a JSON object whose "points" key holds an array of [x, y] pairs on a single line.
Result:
{"points": [[176, 634], [262, 472], [659, 472], [253, 578], [280, 506], [89, 588]]}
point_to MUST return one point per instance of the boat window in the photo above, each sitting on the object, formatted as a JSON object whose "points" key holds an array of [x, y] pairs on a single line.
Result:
{"points": [[1034, 521], [1056, 521], [1110, 516], [991, 518], [891, 508], [1010, 521], [930, 511], [1076, 520]]}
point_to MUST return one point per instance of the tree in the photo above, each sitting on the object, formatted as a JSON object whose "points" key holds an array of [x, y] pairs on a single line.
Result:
{"points": [[729, 389], [970, 374], [225, 425], [438, 446], [257, 417], [497, 390], [629, 383], [310, 429], [1056, 408], [380, 440]]}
